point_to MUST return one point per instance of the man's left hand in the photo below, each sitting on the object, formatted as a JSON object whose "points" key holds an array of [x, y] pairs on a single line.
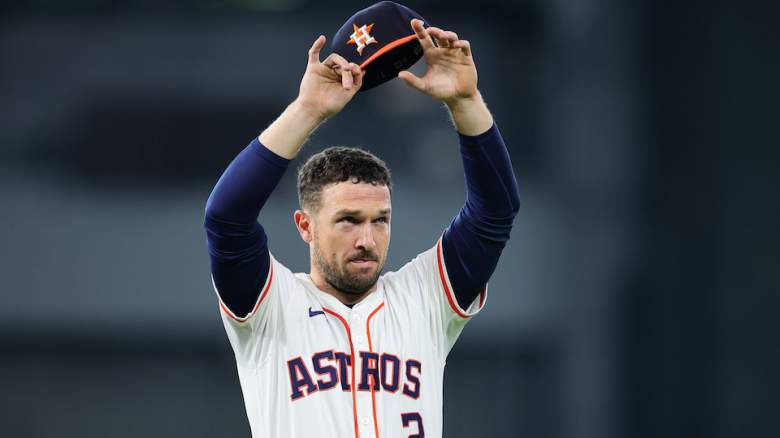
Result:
{"points": [[451, 73]]}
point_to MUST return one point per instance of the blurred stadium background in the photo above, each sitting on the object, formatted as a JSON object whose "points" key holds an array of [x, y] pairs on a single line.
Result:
{"points": [[637, 298]]}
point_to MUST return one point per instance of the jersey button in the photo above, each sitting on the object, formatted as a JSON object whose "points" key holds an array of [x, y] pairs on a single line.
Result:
{"points": [[360, 339], [364, 421]]}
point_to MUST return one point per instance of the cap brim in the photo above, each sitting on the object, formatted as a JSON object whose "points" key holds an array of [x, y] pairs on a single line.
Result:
{"points": [[385, 64], [387, 48]]}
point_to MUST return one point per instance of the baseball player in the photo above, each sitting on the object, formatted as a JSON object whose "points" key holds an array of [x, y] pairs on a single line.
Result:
{"points": [[345, 350]]}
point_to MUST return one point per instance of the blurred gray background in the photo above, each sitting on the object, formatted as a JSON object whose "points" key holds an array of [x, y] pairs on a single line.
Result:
{"points": [[637, 297]]}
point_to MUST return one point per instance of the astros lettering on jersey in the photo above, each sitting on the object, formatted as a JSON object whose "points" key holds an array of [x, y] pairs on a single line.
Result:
{"points": [[311, 366]]}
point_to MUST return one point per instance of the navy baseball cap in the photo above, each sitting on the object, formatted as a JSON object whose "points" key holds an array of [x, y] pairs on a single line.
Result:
{"points": [[379, 39]]}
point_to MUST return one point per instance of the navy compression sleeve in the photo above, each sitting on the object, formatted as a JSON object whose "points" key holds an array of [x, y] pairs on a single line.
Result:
{"points": [[237, 243], [475, 238]]}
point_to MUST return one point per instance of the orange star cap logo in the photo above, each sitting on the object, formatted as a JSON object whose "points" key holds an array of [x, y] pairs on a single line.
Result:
{"points": [[361, 37]]}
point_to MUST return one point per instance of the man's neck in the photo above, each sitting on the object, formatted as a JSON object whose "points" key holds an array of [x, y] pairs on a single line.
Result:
{"points": [[345, 298]]}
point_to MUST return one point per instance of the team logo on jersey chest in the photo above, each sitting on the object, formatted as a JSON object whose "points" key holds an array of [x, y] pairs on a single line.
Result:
{"points": [[378, 372]]}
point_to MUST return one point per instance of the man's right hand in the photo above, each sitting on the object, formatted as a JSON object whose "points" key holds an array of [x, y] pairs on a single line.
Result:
{"points": [[327, 86]]}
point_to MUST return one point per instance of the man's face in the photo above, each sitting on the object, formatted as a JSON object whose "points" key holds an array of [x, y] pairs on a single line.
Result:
{"points": [[351, 234]]}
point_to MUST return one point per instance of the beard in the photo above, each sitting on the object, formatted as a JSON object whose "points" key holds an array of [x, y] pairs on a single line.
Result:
{"points": [[343, 280]]}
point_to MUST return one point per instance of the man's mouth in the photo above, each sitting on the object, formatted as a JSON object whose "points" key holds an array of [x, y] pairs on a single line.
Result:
{"points": [[362, 261], [365, 261]]}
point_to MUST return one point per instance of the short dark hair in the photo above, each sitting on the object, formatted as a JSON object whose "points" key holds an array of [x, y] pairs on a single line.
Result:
{"points": [[338, 164]]}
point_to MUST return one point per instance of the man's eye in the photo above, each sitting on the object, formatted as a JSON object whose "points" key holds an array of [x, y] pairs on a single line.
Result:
{"points": [[349, 219], [381, 219]]}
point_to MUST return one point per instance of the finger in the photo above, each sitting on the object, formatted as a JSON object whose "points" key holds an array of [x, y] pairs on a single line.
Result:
{"points": [[351, 72], [441, 42], [356, 70], [464, 45], [435, 34], [342, 67], [357, 75], [451, 37], [442, 34], [336, 62], [411, 80], [346, 78], [443, 38], [422, 35], [314, 51]]}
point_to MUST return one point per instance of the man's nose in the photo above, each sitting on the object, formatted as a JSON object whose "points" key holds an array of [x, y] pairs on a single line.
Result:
{"points": [[366, 238]]}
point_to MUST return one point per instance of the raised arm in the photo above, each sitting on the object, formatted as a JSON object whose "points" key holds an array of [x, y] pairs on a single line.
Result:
{"points": [[237, 243], [473, 242]]}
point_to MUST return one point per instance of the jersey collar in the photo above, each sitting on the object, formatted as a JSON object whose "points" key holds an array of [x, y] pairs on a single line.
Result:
{"points": [[367, 304]]}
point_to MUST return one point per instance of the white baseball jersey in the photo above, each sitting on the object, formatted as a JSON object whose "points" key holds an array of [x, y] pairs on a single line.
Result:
{"points": [[310, 366]]}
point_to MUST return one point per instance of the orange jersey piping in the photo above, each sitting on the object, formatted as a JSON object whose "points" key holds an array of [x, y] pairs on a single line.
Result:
{"points": [[259, 301], [352, 360], [371, 349], [447, 291]]}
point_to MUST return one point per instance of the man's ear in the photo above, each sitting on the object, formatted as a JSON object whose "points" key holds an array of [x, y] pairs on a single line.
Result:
{"points": [[304, 224]]}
